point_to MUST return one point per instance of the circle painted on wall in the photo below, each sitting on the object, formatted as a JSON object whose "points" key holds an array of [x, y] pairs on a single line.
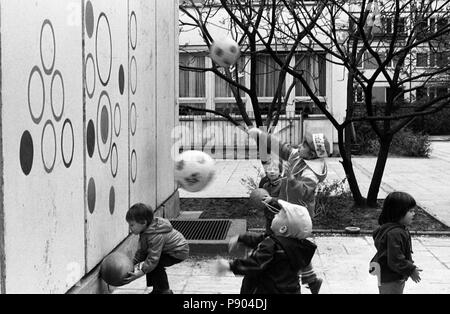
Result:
{"points": [[133, 119], [117, 119], [67, 143], [47, 47], [90, 78], [91, 195], [133, 75], [26, 152], [121, 80], [104, 127], [114, 160], [57, 95], [112, 200], [103, 49], [36, 95], [133, 30], [89, 17], [133, 166], [90, 138], [48, 146]]}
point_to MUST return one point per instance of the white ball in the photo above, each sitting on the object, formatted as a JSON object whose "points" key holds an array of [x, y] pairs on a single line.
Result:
{"points": [[225, 52], [194, 170]]}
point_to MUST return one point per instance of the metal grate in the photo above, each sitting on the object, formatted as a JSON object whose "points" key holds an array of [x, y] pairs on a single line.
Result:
{"points": [[203, 229]]}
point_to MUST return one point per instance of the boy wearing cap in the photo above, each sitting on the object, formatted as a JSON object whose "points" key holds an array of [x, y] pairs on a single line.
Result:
{"points": [[276, 260], [305, 169]]}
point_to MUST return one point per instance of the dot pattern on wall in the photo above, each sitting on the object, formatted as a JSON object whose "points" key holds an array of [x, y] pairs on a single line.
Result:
{"points": [[133, 80], [91, 195], [104, 126], [37, 91]]}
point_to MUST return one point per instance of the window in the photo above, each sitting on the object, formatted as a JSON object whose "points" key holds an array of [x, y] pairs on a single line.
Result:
{"points": [[189, 112], [224, 98], [315, 74], [439, 59], [192, 84], [370, 63], [388, 26], [267, 74], [422, 59]]}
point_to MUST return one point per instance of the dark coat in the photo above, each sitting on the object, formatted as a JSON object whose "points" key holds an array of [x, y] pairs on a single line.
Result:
{"points": [[394, 252], [274, 265]]}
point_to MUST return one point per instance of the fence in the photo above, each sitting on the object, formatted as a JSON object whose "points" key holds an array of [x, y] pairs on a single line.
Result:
{"points": [[223, 140]]}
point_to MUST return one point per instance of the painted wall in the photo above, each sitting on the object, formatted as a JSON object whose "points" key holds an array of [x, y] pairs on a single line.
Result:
{"points": [[79, 131]]}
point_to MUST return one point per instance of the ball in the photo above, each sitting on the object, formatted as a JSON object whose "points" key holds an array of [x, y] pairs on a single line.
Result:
{"points": [[115, 268], [194, 170], [256, 197], [225, 52]]}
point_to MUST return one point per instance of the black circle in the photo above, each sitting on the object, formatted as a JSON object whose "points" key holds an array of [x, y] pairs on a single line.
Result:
{"points": [[38, 119], [104, 127], [57, 118], [50, 70], [91, 195], [89, 19], [89, 57], [67, 163], [112, 200], [90, 138], [48, 169], [104, 159], [121, 80], [26, 152], [114, 168], [104, 83], [133, 17]]}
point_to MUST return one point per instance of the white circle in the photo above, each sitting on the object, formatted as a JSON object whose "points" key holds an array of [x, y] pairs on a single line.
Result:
{"points": [[36, 95], [67, 143], [117, 120], [133, 75], [133, 119], [133, 30], [90, 76], [47, 47], [57, 95], [104, 49], [49, 146]]}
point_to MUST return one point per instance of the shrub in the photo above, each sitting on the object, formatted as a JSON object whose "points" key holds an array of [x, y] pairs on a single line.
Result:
{"points": [[405, 143], [328, 194], [433, 124], [251, 182]]}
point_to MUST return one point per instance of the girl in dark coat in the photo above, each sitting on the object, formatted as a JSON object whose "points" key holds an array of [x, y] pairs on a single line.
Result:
{"points": [[393, 262]]}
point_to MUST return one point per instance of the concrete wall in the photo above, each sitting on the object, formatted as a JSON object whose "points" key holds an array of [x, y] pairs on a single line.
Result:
{"points": [[80, 139]]}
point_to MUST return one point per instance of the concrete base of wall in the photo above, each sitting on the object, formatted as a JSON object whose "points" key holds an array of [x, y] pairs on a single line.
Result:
{"points": [[91, 283]]}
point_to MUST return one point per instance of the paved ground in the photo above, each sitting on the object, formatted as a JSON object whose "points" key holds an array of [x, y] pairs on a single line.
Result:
{"points": [[342, 261]]}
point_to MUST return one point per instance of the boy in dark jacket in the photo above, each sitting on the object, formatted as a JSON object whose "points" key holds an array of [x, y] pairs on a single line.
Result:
{"points": [[160, 246], [276, 260]]}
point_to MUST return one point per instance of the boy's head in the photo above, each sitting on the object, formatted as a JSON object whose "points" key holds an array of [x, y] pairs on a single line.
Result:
{"points": [[315, 145], [273, 169], [139, 217], [290, 220]]}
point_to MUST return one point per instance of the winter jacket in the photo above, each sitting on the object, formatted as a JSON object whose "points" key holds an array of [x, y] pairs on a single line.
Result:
{"points": [[274, 264], [394, 249], [307, 174], [274, 191], [158, 238]]}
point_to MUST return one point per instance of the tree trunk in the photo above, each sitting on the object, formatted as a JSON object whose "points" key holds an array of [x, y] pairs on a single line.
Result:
{"points": [[349, 172], [375, 184]]}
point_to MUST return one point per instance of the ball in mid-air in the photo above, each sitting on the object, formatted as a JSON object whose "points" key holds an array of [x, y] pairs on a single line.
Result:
{"points": [[225, 52], [194, 170]]}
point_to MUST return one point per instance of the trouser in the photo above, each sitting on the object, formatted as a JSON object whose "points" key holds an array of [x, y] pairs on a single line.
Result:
{"points": [[158, 276], [393, 287]]}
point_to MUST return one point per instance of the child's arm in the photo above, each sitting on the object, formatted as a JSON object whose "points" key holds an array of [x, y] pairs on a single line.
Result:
{"points": [[396, 258], [152, 255], [257, 262], [251, 240], [301, 188]]}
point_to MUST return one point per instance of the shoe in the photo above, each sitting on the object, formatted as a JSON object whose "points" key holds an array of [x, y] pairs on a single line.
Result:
{"points": [[315, 286], [157, 291]]}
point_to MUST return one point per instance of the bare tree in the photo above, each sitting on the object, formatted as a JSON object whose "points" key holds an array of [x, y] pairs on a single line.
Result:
{"points": [[394, 36]]}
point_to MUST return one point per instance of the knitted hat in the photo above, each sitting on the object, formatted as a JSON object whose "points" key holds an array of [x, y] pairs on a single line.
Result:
{"points": [[319, 143], [295, 224]]}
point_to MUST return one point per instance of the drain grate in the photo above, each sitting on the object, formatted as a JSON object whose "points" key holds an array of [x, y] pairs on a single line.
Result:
{"points": [[203, 229]]}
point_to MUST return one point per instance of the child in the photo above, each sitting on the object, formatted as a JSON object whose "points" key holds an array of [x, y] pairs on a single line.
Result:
{"points": [[274, 264], [273, 169], [305, 169], [393, 243], [160, 246]]}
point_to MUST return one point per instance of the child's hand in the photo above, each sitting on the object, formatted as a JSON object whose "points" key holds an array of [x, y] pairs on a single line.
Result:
{"points": [[266, 199], [222, 266], [415, 276], [132, 276]]}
